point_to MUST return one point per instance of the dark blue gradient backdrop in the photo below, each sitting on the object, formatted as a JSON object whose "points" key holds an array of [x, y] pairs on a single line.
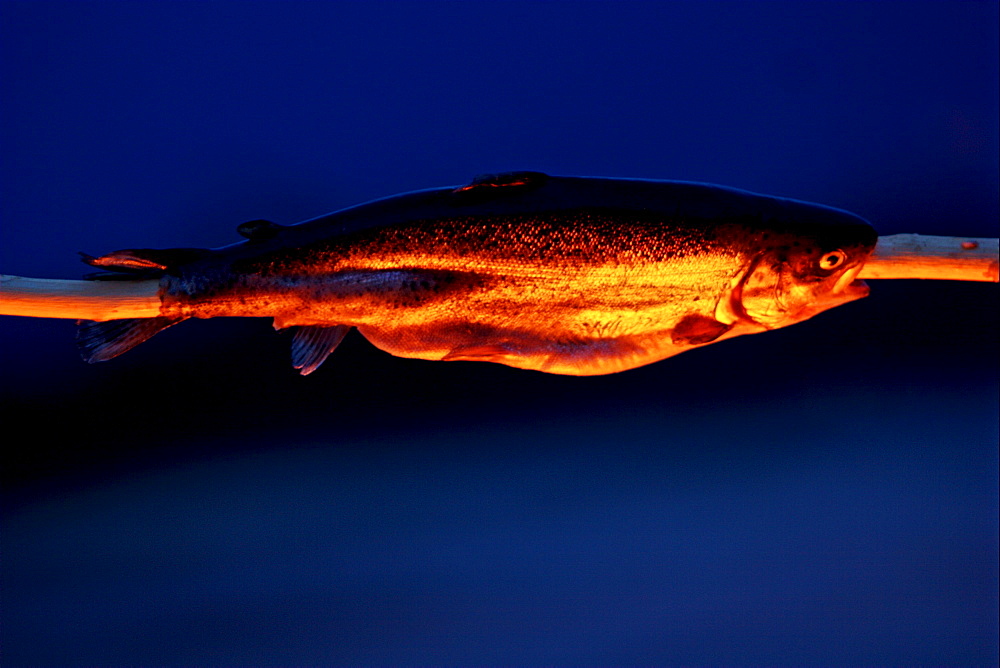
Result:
{"points": [[824, 494]]}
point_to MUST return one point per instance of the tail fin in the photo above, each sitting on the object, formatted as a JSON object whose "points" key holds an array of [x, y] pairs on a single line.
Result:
{"points": [[100, 341]]}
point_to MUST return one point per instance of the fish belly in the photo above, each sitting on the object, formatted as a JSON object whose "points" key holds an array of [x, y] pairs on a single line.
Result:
{"points": [[551, 302], [597, 328]]}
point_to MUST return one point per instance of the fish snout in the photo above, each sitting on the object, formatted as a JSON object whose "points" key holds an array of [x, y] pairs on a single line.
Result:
{"points": [[856, 289], [847, 282], [847, 289]]}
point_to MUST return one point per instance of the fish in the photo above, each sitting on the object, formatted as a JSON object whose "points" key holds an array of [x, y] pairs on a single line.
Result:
{"points": [[558, 274]]}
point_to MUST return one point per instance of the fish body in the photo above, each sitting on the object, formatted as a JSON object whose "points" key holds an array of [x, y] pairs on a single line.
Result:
{"points": [[566, 275]]}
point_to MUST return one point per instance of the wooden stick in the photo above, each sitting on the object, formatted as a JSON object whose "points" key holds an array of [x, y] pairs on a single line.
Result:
{"points": [[939, 258], [79, 300], [897, 256]]}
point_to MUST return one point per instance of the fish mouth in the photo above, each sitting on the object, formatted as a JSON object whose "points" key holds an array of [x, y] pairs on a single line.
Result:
{"points": [[848, 287], [857, 290], [847, 280]]}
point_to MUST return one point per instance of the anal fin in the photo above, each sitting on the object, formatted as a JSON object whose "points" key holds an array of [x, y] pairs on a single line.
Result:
{"points": [[312, 344]]}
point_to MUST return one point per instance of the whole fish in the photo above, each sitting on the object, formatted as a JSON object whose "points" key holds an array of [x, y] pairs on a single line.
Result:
{"points": [[565, 275]]}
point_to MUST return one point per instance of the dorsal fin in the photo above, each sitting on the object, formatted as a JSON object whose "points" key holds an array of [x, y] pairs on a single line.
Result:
{"points": [[312, 344], [490, 186], [259, 230]]}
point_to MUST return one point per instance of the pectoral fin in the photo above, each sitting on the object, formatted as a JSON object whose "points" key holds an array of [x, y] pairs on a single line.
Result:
{"points": [[697, 329]]}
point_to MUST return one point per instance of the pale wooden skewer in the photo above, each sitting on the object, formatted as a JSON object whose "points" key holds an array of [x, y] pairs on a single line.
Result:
{"points": [[940, 258], [79, 300], [897, 256]]}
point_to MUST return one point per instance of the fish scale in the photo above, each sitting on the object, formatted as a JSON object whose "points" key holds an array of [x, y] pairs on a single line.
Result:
{"points": [[566, 275]]}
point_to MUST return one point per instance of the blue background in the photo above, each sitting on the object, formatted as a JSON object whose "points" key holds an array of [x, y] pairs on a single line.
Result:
{"points": [[823, 494]]}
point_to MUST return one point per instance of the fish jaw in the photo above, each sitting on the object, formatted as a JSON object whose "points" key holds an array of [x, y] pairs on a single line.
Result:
{"points": [[809, 301], [849, 292], [778, 289], [835, 291]]}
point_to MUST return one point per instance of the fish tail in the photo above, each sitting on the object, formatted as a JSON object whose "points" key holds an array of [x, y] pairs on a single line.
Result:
{"points": [[101, 341]]}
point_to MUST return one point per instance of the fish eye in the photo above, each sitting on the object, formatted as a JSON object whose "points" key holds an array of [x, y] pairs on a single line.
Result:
{"points": [[832, 260]]}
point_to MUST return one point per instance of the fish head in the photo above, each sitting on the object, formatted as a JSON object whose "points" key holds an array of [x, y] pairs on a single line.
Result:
{"points": [[804, 270]]}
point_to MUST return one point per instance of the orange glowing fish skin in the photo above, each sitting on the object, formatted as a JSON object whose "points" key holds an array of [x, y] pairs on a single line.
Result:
{"points": [[566, 275]]}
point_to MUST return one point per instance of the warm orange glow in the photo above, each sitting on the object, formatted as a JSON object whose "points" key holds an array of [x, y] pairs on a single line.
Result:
{"points": [[558, 274], [571, 317], [584, 295], [88, 300], [939, 258]]}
